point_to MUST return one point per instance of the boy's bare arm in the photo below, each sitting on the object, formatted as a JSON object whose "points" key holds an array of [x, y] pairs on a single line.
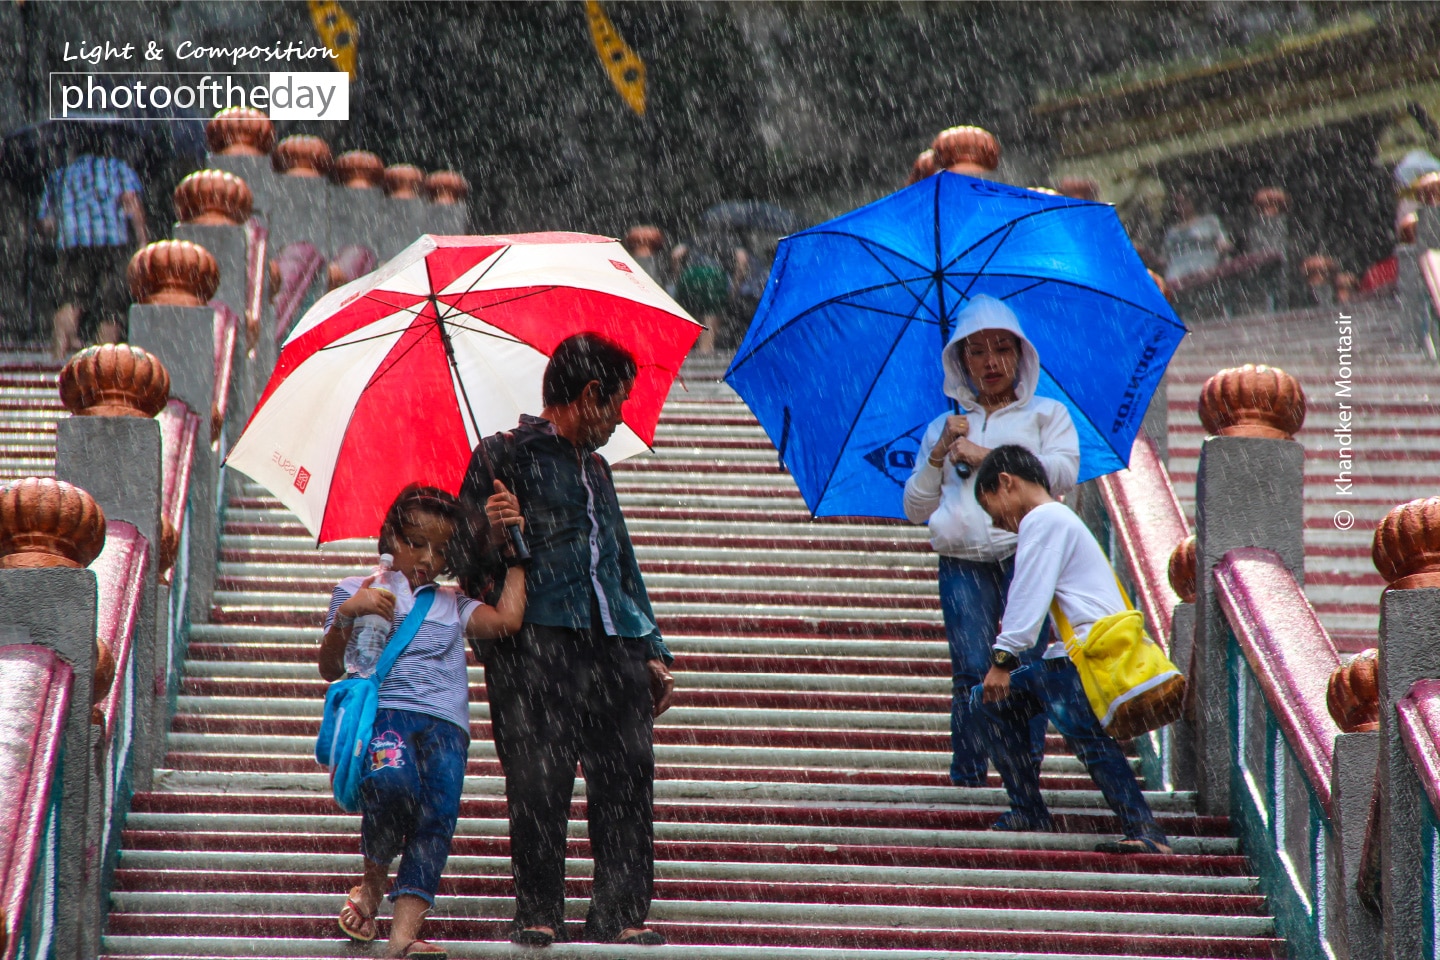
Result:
{"points": [[332, 645]]}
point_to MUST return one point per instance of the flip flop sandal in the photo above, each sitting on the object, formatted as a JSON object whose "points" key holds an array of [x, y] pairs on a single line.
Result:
{"points": [[531, 937], [425, 950], [645, 938], [1133, 846], [354, 923]]}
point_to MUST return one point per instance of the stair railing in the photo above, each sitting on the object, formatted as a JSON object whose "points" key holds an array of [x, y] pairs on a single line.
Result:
{"points": [[1146, 524], [1279, 661], [35, 686]]}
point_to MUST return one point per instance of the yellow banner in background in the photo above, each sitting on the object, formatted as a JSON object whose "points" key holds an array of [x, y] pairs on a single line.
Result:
{"points": [[626, 69], [337, 31]]}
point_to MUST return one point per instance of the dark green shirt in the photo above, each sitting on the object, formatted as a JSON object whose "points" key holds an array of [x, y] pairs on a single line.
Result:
{"points": [[579, 546]]}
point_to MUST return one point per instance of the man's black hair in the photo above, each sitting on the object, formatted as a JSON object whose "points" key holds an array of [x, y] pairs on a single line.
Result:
{"points": [[579, 359], [1013, 459]]}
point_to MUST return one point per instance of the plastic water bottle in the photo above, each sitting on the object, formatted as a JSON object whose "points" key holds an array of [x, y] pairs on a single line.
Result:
{"points": [[372, 631]]}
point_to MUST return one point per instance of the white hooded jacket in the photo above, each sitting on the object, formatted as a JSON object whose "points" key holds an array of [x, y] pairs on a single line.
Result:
{"points": [[958, 525]]}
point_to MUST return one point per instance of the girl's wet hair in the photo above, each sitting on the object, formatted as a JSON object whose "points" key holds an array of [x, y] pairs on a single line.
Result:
{"points": [[419, 499]]}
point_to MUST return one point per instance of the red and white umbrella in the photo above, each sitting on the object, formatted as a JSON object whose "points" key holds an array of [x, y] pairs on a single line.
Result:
{"points": [[394, 377]]}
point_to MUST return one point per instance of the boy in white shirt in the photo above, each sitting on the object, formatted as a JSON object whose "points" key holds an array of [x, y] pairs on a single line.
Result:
{"points": [[1056, 558]]}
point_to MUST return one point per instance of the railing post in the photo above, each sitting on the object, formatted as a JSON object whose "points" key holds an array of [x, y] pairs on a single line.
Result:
{"points": [[1352, 781], [213, 207], [301, 208], [176, 327], [51, 531], [110, 447], [1404, 552], [405, 209], [447, 212], [1182, 758], [358, 211], [1249, 491]]}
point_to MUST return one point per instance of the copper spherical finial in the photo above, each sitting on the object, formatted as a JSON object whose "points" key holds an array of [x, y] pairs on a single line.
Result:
{"points": [[446, 187], [1318, 269], [1159, 282], [359, 170], [302, 156], [403, 180], [240, 132], [104, 675], [1081, 188], [213, 197], [48, 523], [924, 166], [175, 272], [1354, 693], [1406, 547], [1427, 189], [169, 548], [114, 380], [969, 150], [1252, 401], [1182, 569], [1271, 201], [1409, 224]]}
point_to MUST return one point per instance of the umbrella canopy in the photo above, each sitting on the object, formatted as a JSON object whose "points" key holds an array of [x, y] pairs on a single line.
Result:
{"points": [[842, 362], [394, 377]]}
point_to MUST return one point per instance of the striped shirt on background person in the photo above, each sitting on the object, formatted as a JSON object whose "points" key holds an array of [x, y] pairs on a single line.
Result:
{"points": [[429, 677], [83, 198]]}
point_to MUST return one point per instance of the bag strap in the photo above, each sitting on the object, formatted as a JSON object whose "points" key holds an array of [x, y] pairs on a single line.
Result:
{"points": [[424, 599], [1062, 622]]}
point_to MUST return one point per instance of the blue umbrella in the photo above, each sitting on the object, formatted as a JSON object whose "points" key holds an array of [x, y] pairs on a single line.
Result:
{"points": [[841, 364]]}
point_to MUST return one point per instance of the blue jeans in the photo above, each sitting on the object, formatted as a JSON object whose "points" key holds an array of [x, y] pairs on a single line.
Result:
{"points": [[1053, 687], [411, 797], [972, 598]]}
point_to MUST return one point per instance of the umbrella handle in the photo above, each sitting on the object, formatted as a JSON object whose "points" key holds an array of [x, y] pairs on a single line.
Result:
{"points": [[517, 541]]}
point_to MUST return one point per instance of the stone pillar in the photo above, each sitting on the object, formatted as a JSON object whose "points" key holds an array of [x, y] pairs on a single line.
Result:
{"points": [[1406, 551], [110, 447], [1249, 492], [240, 140], [213, 206], [302, 195], [51, 531], [405, 210], [171, 321], [1354, 701], [358, 210], [1182, 760], [447, 214]]}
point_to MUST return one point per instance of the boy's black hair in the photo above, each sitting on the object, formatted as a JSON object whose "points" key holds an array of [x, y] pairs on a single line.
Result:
{"points": [[1013, 459], [416, 498], [579, 359]]}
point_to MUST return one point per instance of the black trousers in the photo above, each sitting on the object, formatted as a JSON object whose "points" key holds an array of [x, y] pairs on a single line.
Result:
{"points": [[558, 697]]}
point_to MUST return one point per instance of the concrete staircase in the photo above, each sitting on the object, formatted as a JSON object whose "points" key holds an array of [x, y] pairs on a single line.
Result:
{"points": [[802, 807], [1395, 404]]}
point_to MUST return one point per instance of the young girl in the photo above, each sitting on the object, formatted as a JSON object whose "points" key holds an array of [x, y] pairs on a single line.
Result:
{"points": [[416, 760]]}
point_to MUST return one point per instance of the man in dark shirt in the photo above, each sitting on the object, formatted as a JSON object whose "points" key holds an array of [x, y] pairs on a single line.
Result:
{"points": [[587, 674]]}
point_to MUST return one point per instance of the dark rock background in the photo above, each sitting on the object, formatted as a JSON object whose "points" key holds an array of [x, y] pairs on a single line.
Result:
{"points": [[816, 106]]}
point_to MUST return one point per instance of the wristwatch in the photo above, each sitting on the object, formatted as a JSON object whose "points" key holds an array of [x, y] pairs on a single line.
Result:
{"points": [[1004, 659]]}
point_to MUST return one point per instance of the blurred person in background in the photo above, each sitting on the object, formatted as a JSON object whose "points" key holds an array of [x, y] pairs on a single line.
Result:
{"points": [[1195, 242], [92, 209], [702, 287], [647, 245]]}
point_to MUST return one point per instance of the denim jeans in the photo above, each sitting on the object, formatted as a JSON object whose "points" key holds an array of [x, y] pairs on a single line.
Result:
{"points": [[972, 598], [411, 797], [1053, 687]]}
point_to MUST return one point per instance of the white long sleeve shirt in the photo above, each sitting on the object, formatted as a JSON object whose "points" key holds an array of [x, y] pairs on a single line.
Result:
{"points": [[1056, 557]]}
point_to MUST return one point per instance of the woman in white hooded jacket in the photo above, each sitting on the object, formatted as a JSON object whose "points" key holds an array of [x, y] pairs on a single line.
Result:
{"points": [[991, 370]]}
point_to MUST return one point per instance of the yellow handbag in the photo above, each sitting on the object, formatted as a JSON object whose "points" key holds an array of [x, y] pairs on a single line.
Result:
{"points": [[1130, 683]]}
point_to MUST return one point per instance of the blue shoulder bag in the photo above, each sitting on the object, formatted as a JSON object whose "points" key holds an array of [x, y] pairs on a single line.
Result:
{"points": [[350, 707]]}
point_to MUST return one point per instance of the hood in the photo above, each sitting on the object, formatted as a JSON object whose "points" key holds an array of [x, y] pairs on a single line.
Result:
{"points": [[986, 313]]}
